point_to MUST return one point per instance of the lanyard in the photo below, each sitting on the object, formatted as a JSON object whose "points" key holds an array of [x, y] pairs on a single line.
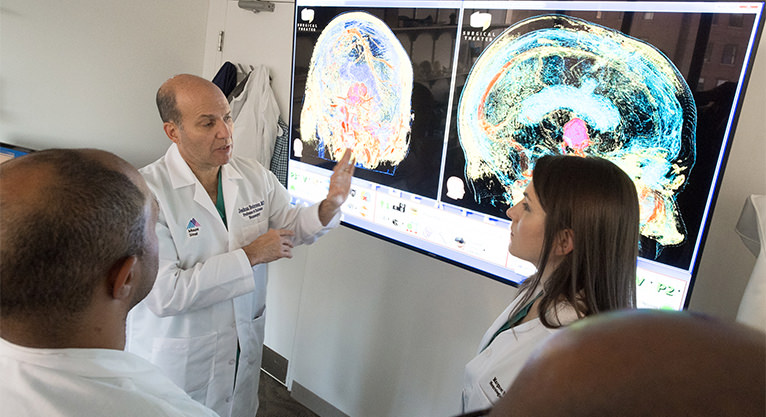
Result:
{"points": [[513, 320]]}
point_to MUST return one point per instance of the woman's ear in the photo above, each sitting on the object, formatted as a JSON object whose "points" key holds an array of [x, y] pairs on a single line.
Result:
{"points": [[564, 242], [121, 278]]}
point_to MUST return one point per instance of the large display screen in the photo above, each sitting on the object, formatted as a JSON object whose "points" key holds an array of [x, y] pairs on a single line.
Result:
{"points": [[448, 104]]}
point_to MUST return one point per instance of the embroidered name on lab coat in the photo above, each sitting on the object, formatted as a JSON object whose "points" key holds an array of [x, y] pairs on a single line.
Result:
{"points": [[495, 384], [251, 211], [192, 229]]}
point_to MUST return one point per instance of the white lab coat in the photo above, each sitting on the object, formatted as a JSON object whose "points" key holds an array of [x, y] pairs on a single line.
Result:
{"points": [[256, 114], [87, 382], [491, 372], [207, 298]]}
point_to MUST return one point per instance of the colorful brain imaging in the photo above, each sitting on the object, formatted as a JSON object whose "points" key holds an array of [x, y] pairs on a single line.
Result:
{"points": [[556, 84], [358, 93]]}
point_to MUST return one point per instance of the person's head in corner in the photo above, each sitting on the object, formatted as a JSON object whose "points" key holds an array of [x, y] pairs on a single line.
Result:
{"points": [[643, 363], [197, 118], [78, 248], [579, 224]]}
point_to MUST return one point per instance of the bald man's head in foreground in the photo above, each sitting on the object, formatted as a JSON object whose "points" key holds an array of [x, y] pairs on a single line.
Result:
{"points": [[643, 363], [78, 248]]}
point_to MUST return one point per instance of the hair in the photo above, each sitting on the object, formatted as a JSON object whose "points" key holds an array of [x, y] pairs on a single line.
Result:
{"points": [[597, 201], [717, 369], [84, 218], [166, 104]]}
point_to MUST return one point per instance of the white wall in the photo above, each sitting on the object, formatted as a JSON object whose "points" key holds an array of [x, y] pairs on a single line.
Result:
{"points": [[84, 73], [384, 331], [253, 39], [372, 328]]}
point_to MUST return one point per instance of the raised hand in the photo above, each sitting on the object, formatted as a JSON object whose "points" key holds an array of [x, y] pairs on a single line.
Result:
{"points": [[340, 184]]}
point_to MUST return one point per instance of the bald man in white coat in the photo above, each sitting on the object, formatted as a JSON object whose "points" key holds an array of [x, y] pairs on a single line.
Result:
{"points": [[222, 218]]}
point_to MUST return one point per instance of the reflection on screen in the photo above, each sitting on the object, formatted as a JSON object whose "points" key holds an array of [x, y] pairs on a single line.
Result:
{"points": [[448, 105]]}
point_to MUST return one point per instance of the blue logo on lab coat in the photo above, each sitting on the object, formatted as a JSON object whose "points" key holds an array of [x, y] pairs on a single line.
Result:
{"points": [[192, 229]]}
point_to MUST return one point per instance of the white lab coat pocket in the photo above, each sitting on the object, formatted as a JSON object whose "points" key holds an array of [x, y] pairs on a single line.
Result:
{"points": [[481, 382], [189, 362]]}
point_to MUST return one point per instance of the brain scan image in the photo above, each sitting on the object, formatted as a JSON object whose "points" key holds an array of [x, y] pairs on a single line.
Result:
{"points": [[358, 93], [556, 84]]}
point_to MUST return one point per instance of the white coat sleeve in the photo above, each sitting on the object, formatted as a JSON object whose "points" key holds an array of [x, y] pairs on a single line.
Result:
{"points": [[177, 290]]}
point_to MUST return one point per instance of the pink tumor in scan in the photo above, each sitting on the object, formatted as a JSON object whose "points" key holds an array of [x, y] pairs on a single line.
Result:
{"points": [[576, 136], [357, 94]]}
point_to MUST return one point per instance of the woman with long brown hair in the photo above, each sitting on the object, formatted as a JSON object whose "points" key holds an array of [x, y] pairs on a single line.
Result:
{"points": [[579, 224]]}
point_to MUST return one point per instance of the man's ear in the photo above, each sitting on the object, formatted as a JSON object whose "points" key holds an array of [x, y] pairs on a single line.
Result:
{"points": [[171, 130], [564, 242], [121, 278]]}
